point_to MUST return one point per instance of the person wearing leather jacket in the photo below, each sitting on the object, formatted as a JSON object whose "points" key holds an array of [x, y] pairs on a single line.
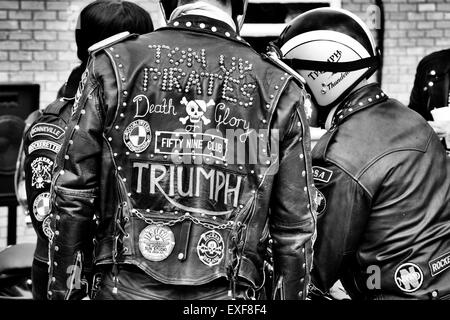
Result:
{"points": [[431, 90], [384, 190], [46, 128], [180, 143]]}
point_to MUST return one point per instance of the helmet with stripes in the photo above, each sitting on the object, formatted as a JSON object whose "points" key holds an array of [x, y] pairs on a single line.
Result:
{"points": [[332, 49]]}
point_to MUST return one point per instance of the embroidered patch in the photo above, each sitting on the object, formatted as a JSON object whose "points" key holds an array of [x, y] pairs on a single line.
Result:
{"points": [[41, 169], [178, 183], [47, 229], [187, 143], [80, 91], [156, 242], [41, 206], [47, 129], [321, 202], [137, 136], [408, 277], [44, 145], [210, 248], [196, 111], [439, 264], [322, 174]]}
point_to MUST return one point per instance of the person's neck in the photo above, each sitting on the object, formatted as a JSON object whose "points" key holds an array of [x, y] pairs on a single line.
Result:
{"points": [[208, 8], [335, 108]]}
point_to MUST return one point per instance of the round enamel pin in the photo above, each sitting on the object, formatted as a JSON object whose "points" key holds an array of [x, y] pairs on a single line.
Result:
{"points": [[408, 277], [210, 248], [137, 136], [156, 242], [47, 229], [41, 206]]}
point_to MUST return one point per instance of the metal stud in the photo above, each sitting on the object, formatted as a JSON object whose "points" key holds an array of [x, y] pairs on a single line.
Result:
{"points": [[213, 29]]}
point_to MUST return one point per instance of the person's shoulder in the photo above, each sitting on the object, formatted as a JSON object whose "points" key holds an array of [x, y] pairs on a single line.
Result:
{"points": [[435, 59], [286, 71], [111, 41]]}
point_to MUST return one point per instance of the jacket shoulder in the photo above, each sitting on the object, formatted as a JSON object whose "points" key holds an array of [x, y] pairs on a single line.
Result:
{"points": [[438, 59], [117, 38], [275, 61]]}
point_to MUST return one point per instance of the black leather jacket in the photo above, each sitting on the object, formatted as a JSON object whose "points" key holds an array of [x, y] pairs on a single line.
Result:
{"points": [[384, 217], [432, 83], [155, 153], [41, 142]]}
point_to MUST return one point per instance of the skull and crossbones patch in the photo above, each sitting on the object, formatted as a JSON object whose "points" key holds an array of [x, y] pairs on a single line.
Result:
{"points": [[196, 111], [41, 169], [210, 248]]}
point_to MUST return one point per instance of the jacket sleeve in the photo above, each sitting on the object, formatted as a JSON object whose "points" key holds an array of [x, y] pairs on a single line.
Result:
{"points": [[418, 99], [74, 194], [292, 221], [343, 210]]}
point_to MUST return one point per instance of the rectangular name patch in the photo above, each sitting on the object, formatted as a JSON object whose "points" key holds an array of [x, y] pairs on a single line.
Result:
{"points": [[439, 264], [187, 143], [322, 174]]}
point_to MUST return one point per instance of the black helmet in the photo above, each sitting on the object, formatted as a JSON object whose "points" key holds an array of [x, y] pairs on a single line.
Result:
{"points": [[332, 49]]}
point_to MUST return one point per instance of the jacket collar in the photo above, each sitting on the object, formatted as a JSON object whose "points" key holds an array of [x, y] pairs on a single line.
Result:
{"points": [[362, 98], [204, 24]]}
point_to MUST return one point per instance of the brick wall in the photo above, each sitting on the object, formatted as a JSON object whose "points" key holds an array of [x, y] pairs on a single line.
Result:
{"points": [[413, 29], [37, 45], [37, 42]]}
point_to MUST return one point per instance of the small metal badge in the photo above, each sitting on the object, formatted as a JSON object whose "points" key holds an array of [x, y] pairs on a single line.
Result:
{"points": [[47, 229], [156, 242], [210, 248], [137, 136], [41, 206]]}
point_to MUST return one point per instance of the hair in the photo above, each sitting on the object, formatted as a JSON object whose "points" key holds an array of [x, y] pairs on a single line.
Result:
{"points": [[104, 18]]}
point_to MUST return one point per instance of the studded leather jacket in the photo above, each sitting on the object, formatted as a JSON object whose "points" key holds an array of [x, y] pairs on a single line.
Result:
{"points": [[384, 214], [41, 142], [189, 149]]}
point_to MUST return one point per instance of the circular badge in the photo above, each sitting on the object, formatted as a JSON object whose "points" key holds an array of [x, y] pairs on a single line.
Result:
{"points": [[210, 248], [47, 229], [137, 136], [41, 206], [156, 242], [408, 277], [321, 202]]}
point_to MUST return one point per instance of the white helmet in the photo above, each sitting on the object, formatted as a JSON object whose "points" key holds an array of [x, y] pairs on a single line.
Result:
{"points": [[332, 49]]}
